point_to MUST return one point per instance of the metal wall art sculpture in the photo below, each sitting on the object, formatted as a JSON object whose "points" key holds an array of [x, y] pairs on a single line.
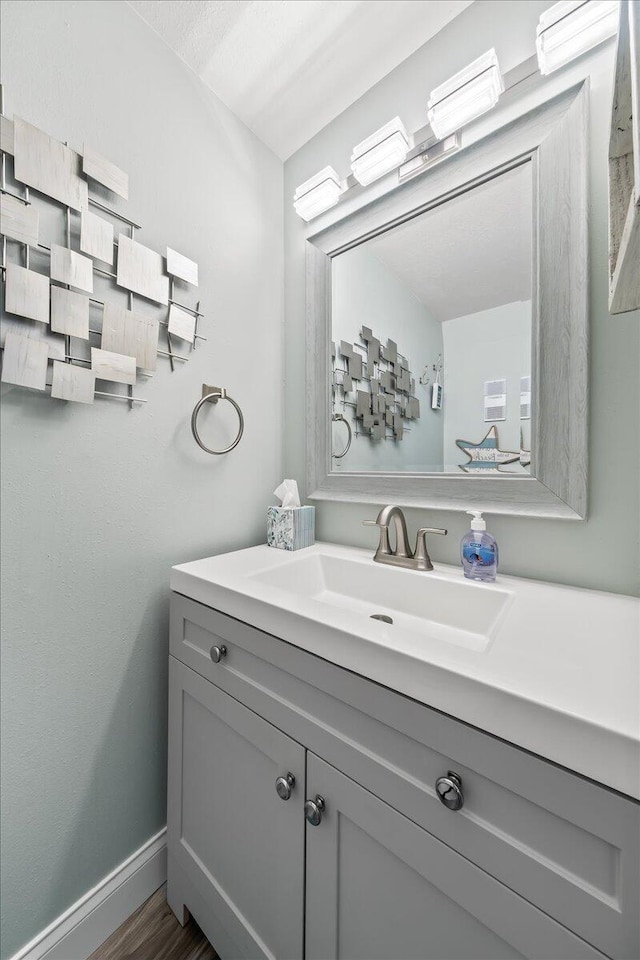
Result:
{"points": [[55, 333], [383, 385]]}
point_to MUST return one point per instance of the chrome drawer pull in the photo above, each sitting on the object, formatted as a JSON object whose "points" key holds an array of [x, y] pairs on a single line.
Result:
{"points": [[217, 653], [449, 790]]}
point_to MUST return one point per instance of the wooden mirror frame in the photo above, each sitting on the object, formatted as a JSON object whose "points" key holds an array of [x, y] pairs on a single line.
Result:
{"points": [[624, 167], [553, 138]]}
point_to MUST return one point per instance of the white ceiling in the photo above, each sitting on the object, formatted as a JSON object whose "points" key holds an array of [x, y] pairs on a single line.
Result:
{"points": [[469, 254], [289, 67]]}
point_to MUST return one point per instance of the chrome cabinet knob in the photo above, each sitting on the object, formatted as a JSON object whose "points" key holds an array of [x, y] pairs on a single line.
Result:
{"points": [[285, 785], [313, 810], [217, 653], [449, 790]]}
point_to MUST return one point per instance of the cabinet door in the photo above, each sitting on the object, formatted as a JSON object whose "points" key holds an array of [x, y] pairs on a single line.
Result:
{"points": [[380, 887], [238, 847]]}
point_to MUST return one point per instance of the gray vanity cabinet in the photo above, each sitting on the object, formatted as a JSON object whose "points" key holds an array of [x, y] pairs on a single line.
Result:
{"points": [[233, 840], [379, 887], [538, 862]]}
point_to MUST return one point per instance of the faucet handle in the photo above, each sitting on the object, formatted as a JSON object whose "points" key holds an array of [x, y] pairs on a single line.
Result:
{"points": [[384, 547], [421, 554]]}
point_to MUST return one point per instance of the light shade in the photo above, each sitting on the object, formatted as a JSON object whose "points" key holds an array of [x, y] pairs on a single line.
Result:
{"points": [[317, 194], [465, 96], [572, 27], [380, 153]]}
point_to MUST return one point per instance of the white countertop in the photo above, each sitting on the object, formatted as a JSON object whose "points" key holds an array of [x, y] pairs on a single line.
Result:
{"points": [[560, 674]]}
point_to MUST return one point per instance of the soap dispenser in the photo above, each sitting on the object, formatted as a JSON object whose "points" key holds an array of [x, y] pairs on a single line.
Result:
{"points": [[479, 551]]}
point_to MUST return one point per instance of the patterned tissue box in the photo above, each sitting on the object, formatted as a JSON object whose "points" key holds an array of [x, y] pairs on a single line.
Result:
{"points": [[291, 528]]}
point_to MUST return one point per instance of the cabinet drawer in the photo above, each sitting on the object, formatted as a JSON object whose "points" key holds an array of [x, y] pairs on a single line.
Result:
{"points": [[566, 844]]}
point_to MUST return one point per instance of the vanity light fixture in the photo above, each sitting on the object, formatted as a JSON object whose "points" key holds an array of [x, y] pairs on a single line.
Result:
{"points": [[428, 157], [466, 95], [317, 194], [572, 27], [380, 153]]}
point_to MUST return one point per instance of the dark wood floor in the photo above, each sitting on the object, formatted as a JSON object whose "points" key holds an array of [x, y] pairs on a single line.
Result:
{"points": [[153, 933]]}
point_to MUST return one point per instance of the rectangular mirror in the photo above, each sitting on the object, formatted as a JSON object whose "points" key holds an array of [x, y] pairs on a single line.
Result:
{"points": [[447, 330], [434, 318]]}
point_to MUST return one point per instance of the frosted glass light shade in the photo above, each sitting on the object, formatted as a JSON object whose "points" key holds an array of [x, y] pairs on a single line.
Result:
{"points": [[380, 153], [466, 95], [317, 194], [572, 27]]}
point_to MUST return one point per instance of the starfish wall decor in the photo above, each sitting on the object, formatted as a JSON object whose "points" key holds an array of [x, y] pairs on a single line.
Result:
{"points": [[486, 456]]}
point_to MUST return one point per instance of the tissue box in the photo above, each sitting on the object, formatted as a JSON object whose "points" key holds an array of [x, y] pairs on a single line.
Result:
{"points": [[291, 528]]}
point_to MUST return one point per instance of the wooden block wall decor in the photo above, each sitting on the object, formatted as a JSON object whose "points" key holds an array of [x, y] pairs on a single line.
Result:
{"points": [[182, 267], [24, 362], [99, 168], [141, 270], [35, 331], [18, 220], [71, 382], [26, 293], [390, 396], [48, 166], [118, 330], [355, 366], [182, 324], [131, 334], [69, 313], [42, 312], [6, 135], [147, 331], [96, 237], [113, 366], [70, 267]]}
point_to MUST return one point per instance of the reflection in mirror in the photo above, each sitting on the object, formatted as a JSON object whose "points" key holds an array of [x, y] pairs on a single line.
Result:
{"points": [[431, 330]]}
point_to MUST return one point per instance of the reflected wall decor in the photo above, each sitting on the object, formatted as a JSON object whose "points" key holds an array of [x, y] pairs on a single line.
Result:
{"points": [[53, 246], [485, 456], [383, 384]]}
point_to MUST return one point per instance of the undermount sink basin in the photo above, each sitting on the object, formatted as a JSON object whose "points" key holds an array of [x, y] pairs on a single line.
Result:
{"points": [[466, 613]]}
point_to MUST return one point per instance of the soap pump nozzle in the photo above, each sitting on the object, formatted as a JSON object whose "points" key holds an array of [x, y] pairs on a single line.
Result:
{"points": [[478, 523]]}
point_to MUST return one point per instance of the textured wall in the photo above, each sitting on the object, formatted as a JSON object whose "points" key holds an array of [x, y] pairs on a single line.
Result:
{"points": [[98, 502], [602, 552]]}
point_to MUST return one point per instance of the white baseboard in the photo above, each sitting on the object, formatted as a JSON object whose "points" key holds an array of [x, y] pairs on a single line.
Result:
{"points": [[76, 933]]}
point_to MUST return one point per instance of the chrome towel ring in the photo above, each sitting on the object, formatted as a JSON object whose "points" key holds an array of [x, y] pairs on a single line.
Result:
{"points": [[338, 416], [212, 395]]}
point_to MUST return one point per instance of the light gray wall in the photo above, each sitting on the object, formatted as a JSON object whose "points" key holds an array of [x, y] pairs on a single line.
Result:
{"points": [[602, 552], [366, 292], [494, 344], [98, 502]]}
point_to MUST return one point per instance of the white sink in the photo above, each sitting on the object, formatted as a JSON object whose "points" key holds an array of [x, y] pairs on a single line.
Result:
{"points": [[553, 669], [465, 613]]}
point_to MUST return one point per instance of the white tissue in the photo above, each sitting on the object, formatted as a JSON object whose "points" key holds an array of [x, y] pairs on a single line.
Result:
{"points": [[287, 492]]}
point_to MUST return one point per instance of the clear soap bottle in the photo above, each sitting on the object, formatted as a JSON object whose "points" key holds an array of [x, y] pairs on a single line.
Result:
{"points": [[479, 551]]}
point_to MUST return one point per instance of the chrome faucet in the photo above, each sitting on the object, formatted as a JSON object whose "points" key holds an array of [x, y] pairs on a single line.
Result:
{"points": [[402, 556]]}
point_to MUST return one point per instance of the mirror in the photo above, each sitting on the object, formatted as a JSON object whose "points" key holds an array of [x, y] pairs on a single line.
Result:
{"points": [[447, 329], [431, 325]]}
